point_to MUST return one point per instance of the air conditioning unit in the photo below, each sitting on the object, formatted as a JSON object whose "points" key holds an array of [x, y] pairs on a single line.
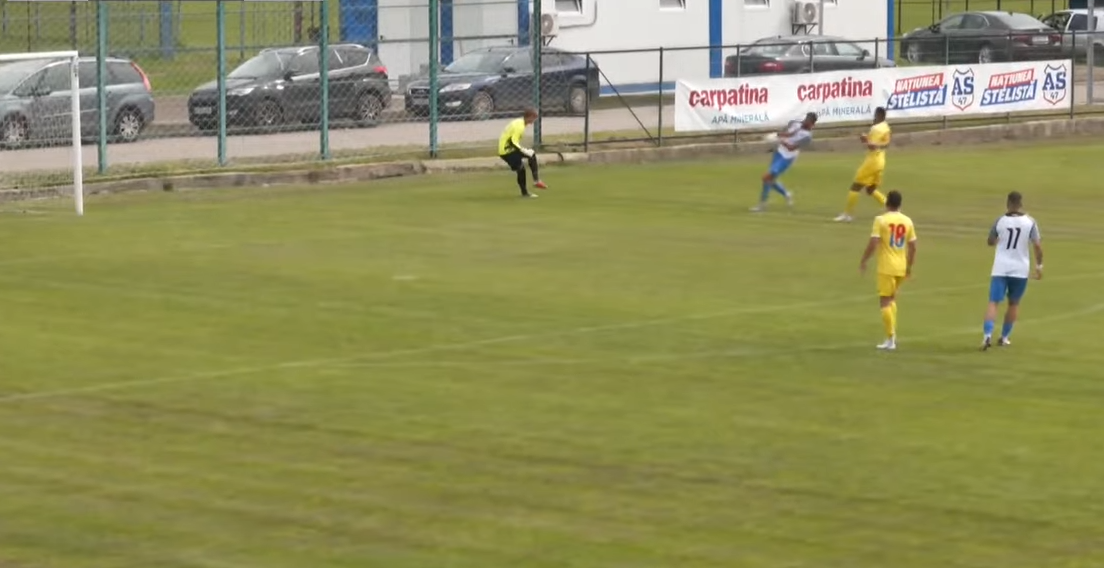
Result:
{"points": [[806, 12], [549, 25]]}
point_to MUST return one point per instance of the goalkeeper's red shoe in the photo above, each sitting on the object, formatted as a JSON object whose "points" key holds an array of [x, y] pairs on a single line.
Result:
{"points": [[540, 185]]}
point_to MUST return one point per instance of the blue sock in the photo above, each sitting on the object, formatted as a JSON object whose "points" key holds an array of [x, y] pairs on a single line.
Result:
{"points": [[1006, 329], [780, 189], [988, 327], [766, 192]]}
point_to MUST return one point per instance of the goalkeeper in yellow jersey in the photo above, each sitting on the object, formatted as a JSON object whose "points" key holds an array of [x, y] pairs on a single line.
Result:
{"points": [[869, 176], [517, 156]]}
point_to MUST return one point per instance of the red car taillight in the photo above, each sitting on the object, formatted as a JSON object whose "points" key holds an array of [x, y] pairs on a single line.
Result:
{"points": [[1023, 40], [145, 78], [380, 69], [770, 67]]}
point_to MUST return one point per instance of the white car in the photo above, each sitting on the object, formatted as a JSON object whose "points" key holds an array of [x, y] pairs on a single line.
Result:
{"points": [[1076, 36]]}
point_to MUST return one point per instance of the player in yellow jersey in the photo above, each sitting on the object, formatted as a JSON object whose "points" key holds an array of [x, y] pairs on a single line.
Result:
{"points": [[869, 176], [894, 237], [516, 156]]}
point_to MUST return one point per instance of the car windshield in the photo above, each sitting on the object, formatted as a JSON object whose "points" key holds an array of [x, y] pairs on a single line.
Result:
{"points": [[12, 74], [267, 64], [769, 48], [478, 62], [1022, 22]]}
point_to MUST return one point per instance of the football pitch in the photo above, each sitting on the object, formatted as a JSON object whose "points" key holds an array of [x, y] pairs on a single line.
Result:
{"points": [[631, 371]]}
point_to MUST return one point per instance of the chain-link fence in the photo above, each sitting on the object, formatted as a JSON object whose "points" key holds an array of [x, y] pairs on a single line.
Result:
{"points": [[627, 117], [299, 83], [912, 14]]}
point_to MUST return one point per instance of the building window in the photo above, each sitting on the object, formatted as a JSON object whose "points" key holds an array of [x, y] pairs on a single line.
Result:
{"points": [[757, 2], [569, 6], [672, 4]]}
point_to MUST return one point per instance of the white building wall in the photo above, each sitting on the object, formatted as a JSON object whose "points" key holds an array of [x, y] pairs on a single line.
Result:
{"points": [[605, 25], [632, 24], [852, 19], [494, 21], [404, 35]]}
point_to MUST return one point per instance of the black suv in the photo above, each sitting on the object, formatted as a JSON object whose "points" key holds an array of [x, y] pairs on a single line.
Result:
{"points": [[283, 85]]}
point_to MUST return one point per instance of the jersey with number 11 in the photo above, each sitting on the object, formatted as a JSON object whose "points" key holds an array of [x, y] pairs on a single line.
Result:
{"points": [[894, 231], [1014, 233]]}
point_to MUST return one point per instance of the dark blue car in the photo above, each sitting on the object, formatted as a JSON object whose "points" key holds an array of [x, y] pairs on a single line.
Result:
{"points": [[499, 80]]}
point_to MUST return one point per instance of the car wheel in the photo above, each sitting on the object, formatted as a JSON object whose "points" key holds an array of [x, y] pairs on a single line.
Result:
{"points": [[128, 125], [269, 114], [913, 53], [577, 99], [482, 106], [13, 132], [985, 54], [369, 106]]}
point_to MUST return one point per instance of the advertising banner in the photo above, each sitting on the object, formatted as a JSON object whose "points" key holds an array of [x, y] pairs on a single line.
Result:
{"points": [[768, 101]]}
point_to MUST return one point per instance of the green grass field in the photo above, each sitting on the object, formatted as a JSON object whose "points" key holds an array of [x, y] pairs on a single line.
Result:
{"points": [[631, 371]]}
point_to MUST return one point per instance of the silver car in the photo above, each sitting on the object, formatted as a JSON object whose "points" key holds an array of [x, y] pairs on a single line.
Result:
{"points": [[36, 100], [1076, 36]]}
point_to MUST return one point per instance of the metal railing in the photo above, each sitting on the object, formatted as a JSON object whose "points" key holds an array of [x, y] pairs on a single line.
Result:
{"points": [[630, 118]]}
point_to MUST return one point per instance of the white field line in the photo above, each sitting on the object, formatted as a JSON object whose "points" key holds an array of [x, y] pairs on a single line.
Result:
{"points": [[461, 346]]}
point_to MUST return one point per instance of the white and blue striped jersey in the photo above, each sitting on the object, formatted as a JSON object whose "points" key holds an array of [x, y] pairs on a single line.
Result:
{"points": [[794, 136]]}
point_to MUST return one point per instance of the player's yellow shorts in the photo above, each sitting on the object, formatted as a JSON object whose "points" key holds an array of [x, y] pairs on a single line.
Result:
{"points": [[870, 174], [888, 285]]}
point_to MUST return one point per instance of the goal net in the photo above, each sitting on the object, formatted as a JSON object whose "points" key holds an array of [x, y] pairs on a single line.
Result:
{"points": [[40, 124]]}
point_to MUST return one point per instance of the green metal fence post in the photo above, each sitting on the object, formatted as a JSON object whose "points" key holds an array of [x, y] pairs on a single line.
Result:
{"points": [[1073, 91], [434, 56], [220, 24], [659, 135], [101, 87], [586, 113], [538, 46], [324, 52]]}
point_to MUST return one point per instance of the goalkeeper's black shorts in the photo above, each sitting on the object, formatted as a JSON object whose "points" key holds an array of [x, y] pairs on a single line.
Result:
{"points": [[515, 159]]}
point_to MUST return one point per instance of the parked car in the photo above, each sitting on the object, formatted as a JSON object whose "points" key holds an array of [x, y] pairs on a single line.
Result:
{"points": [[283, 85], [36, 100], [800, 54], [982, 37], [491, 81], [1074, 27]]}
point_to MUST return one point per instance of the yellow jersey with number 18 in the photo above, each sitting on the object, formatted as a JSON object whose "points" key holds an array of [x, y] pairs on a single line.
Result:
{"points": [[894, 231], [878, 135]]}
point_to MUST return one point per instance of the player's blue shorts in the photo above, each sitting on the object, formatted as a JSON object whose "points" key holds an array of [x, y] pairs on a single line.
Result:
{"points": [[1001, 287], [779, 164]]}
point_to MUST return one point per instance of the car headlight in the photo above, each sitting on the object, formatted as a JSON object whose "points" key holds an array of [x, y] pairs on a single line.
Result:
{"points": [[455, 87], [241, 92]]}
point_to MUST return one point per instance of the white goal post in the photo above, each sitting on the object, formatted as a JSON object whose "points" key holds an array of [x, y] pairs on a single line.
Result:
{"points": [[73, 59]]}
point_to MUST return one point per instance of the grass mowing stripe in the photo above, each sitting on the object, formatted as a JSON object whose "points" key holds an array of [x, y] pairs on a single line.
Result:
{"points": [[306, 364]]}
